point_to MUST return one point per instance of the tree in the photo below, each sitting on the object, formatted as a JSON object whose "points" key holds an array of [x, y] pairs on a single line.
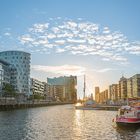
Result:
{"points": [[8, 90]]}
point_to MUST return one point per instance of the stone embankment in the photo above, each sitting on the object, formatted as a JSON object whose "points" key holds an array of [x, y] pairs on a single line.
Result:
{"points": [[4, 107]]}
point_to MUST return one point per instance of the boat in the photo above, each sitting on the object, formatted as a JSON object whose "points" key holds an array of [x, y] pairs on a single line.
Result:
{"points": [[128, 116]]}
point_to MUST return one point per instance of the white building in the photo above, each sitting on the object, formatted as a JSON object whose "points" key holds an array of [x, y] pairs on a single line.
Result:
{"points": [[37, 87], [20, 70], [4, 74]]}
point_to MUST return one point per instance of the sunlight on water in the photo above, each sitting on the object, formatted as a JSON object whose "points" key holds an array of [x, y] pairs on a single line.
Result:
{"points": [[62, 123], [78, 104]]}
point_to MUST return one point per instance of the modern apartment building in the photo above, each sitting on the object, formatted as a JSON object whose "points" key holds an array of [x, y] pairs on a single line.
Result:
{"points": [[97, 94], [57, 91], [65, 84], [20, 69], [129, 88], [4, 74], [114, 92], [37, 87], [119, 93], [123, 87], [133, 86], [104, 96]]}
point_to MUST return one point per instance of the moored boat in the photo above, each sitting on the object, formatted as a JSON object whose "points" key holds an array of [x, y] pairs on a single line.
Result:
{"points": [[128, 116]]}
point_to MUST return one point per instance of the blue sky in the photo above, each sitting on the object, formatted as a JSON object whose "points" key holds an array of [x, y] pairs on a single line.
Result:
{"points": [[96, 37]]}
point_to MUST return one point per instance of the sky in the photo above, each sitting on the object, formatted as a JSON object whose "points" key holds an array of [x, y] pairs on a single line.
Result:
{"points": [[98, 38]]}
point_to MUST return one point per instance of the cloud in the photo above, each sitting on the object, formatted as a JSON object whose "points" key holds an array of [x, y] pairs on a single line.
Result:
{"points": [[105, 70], [7, 34], [76, 41], [133, 48], [61, 42], [26, 39], [62, 70], [79, 37], [39, 28], [51, 36], [59, 50], [106, 30]]}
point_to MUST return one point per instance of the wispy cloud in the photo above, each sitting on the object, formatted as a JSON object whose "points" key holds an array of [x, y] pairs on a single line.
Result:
{"points": [[62, 70], [105, 70], [7, 34], [80, 37]]}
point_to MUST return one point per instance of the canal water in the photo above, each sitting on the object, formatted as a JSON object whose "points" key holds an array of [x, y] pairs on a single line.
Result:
{"points": [[62, 123]]}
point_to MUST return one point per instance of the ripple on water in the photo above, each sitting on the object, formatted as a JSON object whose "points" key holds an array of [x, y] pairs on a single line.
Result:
{"points": [[62, 123]]}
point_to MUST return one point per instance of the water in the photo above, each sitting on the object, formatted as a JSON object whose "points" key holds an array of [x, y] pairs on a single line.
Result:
{"points": [[62, 123]]}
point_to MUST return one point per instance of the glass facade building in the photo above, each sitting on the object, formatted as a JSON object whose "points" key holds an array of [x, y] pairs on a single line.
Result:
{"points": [[4, 74], [65, 84], [20, 69]]}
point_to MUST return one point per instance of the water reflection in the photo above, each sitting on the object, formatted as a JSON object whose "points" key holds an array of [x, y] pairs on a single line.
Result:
{"points": [[13, 122], [128, 133], [62, 123]]}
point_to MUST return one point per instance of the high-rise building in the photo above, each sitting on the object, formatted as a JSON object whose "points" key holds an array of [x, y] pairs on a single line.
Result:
{"points": [[113, 92], [123, 87], [136, 85], [20, 70], [104, 96], [129, 88], [65, 84], [97, 96], [4, 74], [133, 86]]}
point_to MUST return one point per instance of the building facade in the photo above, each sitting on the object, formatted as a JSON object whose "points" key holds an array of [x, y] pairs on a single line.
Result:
{"points": [[114, 92], [104, 96], [4, 74], [133, 86], [20, 70], [129, 88], [57, 92], [66, 85], [97, 94], [123, 87], [37, 88]]}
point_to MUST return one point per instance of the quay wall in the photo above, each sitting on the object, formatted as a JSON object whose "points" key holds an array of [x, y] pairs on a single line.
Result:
{"points": [[4, 107]]}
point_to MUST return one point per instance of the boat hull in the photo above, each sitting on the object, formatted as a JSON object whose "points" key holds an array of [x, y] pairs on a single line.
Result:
{"points": [[130, 125], [132, 122]]}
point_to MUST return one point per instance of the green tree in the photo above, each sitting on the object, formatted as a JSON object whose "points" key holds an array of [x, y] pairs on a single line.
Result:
{"points": [[8, 90], [38, 97]]}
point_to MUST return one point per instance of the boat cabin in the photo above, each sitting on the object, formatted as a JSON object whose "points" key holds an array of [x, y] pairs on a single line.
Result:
{"points": [[129, 112]]}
